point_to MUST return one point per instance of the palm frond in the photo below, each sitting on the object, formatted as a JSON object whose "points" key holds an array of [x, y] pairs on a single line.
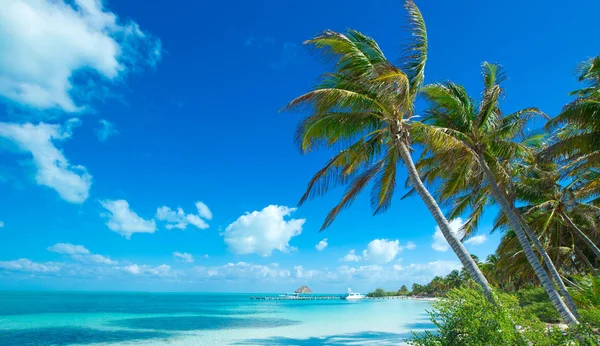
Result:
{"points": [[383, 188], [332, 127], [353, 190], [343, 166], [416, 52]]}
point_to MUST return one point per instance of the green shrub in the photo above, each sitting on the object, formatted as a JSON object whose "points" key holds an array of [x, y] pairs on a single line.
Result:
{"points": [[545, 311], [378, 293], [535, 301], [528, 296], [466, 318], [591, 316]]}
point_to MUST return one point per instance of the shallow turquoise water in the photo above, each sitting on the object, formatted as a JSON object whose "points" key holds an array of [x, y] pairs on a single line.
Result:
{"points": [[69, 318]]}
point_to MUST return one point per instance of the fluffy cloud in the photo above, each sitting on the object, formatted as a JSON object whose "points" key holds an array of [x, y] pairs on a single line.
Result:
{"points": [[124, 220], [45, 43], [68, 249], [80, 253], [179, 219], [301, 273], [321, 245], [203, 210], [342, 276], [262, 232], [439, 242], [409, 246], [378, 251], [381, 250], [476, 240], [105, 130], [72, 182], [162, 270], [351, 256], [26, 265], [241, 271], [424, 272], [183, 256]]}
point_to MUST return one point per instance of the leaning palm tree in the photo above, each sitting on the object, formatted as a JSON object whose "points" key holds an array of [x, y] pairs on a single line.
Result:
{"points": [[365, 108], [539, 186], [577, 141], [480, 138]]}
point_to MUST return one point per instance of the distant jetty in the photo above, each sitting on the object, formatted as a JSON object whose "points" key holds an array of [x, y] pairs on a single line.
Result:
{"points": [[332, 297]]}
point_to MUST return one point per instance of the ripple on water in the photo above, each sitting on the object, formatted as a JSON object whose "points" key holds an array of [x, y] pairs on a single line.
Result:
{"points": [[72, 335], [186, 323]]}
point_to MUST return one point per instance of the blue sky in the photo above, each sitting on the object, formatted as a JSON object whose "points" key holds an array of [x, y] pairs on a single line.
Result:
{"points": [[115, 114]]}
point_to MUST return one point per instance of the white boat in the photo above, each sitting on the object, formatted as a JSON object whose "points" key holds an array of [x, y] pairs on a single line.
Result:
{"points": [[353, 296]]}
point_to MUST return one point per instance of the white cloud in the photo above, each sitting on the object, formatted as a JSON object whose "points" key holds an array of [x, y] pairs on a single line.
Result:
{"points": [[351, 256], [203, 210], [379, 251], [439, 241], [105, 130], [321, 245], [124, 220], [424, 272], [26, 265], [343, 276], [382, 250], [72, 182], [301, 273], [162, 270], [80, 253], [241, 271], [46, 42], [476, 240], [179, 219], [132, 269], [68, 249], [183, 256], [95, 258], [262, 232]]}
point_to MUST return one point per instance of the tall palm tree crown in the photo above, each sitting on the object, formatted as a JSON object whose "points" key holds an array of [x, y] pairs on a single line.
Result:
{"points": [[577, 141], [362, 107], [470, 143], [365, 108]]}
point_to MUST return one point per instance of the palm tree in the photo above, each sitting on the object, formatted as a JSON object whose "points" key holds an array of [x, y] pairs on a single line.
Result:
{"points": [[453, 280], [539, 186], [489, 269], [480, 138], [365, 107], [578, 139]]}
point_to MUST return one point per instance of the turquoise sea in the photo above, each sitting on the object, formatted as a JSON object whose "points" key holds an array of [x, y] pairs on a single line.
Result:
{"points": [[78, 318]]}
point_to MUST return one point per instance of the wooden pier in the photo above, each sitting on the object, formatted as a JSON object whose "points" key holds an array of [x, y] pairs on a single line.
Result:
{"points": [[307, 297]]}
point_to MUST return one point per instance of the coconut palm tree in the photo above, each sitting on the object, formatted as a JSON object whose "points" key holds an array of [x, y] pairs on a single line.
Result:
{"points": [[577, 142], [539, 187], [480, 138], [365, 108]]}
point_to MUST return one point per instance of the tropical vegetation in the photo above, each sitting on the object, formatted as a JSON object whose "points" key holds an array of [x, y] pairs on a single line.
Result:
{"points": [[544, 180]]}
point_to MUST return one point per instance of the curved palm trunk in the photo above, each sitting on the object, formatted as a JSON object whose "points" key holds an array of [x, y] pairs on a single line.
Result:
{"points": [[550, 265], [546, 260], [456, 245], [580, 233], [515, 223]]}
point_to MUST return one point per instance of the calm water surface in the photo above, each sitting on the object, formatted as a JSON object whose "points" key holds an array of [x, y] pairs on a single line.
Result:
{"points": [[72, 318]]}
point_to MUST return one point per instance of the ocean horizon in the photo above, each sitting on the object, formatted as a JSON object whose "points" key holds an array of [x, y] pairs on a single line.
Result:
{"points": [[207, 318]]}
